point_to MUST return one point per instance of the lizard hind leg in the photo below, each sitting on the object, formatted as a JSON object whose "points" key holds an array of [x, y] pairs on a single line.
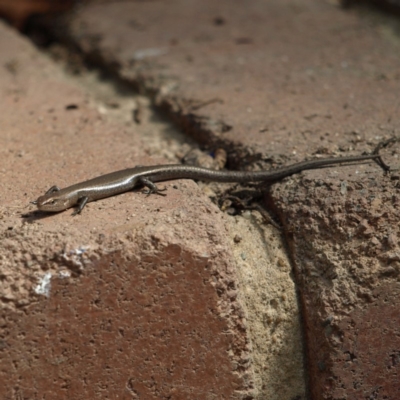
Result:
{"points": [[152, 187], [381, 145]]}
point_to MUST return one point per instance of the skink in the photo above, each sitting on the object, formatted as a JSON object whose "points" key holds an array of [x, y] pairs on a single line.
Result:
{"points": [[80, 194]]}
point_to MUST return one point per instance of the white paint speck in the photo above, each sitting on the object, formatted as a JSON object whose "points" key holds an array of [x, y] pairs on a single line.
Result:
{"points": [[44, 285], [150, 52], [64, 274]]}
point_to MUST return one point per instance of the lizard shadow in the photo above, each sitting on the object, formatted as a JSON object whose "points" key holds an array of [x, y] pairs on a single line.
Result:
{"points": [[36, 215]]}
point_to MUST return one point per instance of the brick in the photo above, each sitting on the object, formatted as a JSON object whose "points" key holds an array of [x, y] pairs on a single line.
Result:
{"points": [[131, 299], [279, 81]]}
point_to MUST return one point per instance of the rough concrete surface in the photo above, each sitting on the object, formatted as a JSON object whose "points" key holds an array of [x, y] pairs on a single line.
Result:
{"points": [[137, 298], [278, 80]]}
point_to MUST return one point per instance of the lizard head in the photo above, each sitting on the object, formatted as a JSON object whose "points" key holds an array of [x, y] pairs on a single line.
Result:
{"points": [[54, 202]]}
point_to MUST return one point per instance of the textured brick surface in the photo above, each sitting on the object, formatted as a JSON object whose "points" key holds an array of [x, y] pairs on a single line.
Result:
{"points": [[279, 80], [135, 298], [348, 270], [288, 79], [370, 353], [132, 326]]}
